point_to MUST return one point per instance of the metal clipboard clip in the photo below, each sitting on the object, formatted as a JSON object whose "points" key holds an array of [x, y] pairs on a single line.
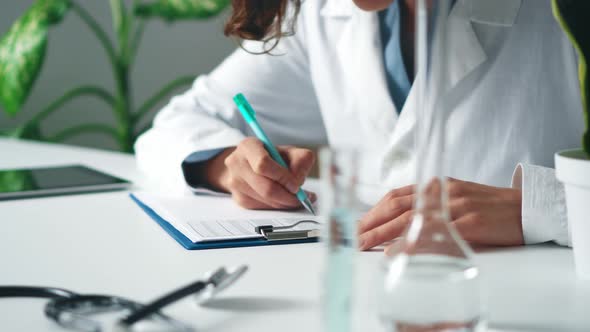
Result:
{"points": [[282, 233]]}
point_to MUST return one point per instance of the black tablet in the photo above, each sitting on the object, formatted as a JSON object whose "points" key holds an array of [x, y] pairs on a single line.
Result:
{"points": [[58, 180]]}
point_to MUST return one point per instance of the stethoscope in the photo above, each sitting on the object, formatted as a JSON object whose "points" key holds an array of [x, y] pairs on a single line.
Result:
{"points": [[74, 311]]}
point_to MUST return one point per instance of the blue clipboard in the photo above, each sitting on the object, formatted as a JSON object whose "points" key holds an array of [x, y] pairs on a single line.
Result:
{"points": [[188, 244]]}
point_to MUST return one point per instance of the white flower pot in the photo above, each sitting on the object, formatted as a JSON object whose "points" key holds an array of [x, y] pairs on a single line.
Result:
{"points": [[572, 167]]}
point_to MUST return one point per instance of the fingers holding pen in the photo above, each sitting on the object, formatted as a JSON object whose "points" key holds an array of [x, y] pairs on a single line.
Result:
{"points": [[246, 197], [262, 164], [245, 180], [254, 175], [300, 162]]}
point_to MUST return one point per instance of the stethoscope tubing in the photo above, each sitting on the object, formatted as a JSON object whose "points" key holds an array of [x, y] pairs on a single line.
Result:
{"points": [[67, 302], [35, 292]]}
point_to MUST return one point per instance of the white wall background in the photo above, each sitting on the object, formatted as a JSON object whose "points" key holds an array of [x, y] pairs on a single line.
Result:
{"points": [[75, 57]]}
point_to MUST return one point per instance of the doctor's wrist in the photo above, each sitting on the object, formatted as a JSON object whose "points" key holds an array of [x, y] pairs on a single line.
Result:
{"points": [[215, 173]]}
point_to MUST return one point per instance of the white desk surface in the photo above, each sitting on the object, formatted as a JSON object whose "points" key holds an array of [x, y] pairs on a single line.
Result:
{"points": [[103, 243]]}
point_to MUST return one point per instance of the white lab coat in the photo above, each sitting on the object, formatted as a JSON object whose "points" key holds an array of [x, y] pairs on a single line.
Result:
{"points": [[518, 101]]}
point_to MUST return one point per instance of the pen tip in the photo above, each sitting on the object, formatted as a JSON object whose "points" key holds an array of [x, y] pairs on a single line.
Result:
{"points": [[309, 207]]}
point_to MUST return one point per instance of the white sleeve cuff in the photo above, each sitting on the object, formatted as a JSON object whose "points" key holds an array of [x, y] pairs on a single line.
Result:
{"points": [[544, 215]]}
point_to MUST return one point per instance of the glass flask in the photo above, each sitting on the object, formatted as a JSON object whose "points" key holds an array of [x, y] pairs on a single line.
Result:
{"points": [[341, 208], [429, 280]]}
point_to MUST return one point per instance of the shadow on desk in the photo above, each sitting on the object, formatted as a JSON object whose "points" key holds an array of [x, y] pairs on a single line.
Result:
{"points": [[253, 304]]}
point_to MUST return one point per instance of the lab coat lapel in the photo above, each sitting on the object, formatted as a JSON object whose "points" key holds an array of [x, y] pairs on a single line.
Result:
{"points": [[465, 50], [360, 57], [497, 12], [466, 54]]}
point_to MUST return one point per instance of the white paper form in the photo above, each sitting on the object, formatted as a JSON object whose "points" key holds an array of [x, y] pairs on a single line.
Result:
{"points": [[203, 218], [216, 230]]}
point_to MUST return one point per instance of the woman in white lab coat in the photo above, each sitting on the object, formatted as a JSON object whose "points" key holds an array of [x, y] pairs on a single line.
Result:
{"points": [[518, 103]]}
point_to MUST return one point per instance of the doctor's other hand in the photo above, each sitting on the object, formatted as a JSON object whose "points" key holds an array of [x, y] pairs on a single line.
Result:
{"points": [[482, 214], [255, 180]]}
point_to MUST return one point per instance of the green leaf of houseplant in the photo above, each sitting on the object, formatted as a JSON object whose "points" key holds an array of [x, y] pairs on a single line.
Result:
{"points": [[121, 24], [22, 50], [172, 10], [574, 18]]}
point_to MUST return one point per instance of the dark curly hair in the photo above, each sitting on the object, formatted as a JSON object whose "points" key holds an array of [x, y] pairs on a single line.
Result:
{"points": [[263, 20]]}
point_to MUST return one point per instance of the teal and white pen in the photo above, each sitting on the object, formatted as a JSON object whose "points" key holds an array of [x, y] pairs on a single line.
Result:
{"points": [[250, 116]]}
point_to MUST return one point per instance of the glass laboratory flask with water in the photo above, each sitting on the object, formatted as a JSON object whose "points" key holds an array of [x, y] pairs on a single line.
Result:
{"points": [[341, 208], [429, 282], [348, 276]]}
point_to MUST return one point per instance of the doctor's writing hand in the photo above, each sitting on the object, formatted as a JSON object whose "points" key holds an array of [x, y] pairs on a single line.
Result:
{"points": [[255, 180], [482, 214]]}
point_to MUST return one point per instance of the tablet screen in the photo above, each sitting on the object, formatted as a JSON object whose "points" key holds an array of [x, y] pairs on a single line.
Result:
{"points": [[61, 179]]}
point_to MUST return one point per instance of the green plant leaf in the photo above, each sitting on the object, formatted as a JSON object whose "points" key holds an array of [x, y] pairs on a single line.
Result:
{"points": [[121, 25], [172, 10], [22, 50], [573, 17]]}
